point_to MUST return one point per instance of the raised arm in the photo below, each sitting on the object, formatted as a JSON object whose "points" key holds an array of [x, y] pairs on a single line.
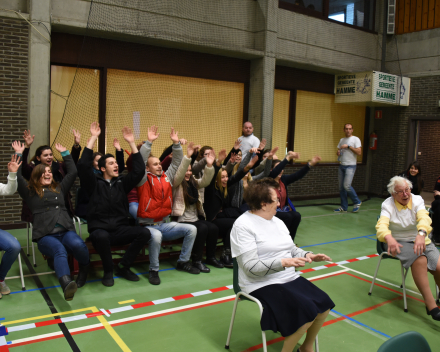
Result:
{"points": [[22, 184], [166, 152], [177, 156], [137, 173], [28, 140], [208, 175], [119, 155], [11, 187], [186, 161], [197, 167], [76, 148], [281, 165], [267, 165], [84, 166], [71, 174], [288, 179]]}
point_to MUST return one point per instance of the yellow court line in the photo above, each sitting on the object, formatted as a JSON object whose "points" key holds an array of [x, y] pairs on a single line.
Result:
{"points": [[129, 301], [111, 331], [47, 316]]}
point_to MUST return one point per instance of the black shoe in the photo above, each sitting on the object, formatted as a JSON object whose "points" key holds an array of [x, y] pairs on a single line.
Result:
{"points": [[82, 275], [126, 273], [69, 287], [434, 313], [202, 267], [154, 278], [187, 266], [107, 279], [226, 259], [50, 263], [214, 262]]}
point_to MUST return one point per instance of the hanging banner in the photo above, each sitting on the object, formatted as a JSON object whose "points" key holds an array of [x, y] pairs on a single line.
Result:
{"points": [[372, 89]]}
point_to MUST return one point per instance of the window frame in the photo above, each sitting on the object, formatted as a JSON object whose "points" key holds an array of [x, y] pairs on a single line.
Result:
{"points": [[325, 12]]}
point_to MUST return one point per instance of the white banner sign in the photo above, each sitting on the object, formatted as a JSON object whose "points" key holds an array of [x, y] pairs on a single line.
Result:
{"points": [[372, 88]]}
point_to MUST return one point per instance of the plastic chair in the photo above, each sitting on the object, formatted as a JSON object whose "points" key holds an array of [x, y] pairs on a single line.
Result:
{"points": [[240, 295], [383, 254], [410, 341], [20, 268]]}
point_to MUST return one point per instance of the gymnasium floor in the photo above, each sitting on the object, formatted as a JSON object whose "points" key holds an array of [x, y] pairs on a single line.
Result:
{"points": [[153, 321]]}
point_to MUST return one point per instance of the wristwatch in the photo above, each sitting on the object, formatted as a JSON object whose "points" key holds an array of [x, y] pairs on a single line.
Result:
{"points": [[422, 233], [348, 147]]}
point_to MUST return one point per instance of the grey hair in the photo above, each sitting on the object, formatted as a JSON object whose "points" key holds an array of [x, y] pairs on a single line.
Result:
{"points": [[398, 180]]}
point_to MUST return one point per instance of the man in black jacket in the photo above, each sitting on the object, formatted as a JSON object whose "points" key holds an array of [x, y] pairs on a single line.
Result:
{"points": [[107, 217]]}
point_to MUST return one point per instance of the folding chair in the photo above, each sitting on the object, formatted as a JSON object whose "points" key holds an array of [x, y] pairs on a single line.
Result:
{"points": [[242, 296], [29, 235], [21, 270], [384, 254]]}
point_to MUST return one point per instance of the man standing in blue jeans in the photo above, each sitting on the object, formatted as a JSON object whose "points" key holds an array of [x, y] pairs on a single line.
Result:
{"points": [[348, 150]]}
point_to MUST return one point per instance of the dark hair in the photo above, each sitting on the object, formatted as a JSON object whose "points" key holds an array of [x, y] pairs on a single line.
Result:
{"points": [[95, 155], [103, 161], [34, 184], [418, 176], [275, 162], [348, 124], [39, 151], [202, 152], [185, 184], [257, 192]]}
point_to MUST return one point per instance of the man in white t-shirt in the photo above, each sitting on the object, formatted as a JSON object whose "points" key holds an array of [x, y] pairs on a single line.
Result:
{"points": [[248, 140], [348, 150]]}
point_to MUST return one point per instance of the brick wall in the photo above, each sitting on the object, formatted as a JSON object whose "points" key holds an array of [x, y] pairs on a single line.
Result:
{"points": [[429, 146], [322, 181], [13, 105], [392, 130]]}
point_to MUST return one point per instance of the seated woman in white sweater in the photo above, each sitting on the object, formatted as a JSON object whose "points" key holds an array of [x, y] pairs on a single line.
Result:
{"points": [[404, 226], [267, 257], [8, 243]]}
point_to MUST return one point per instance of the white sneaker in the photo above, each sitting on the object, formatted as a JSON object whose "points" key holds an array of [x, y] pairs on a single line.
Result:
{"points": [[4, 289]]}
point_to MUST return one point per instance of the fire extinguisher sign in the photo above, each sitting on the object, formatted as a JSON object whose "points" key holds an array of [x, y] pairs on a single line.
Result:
{"points": [[378, 114]]}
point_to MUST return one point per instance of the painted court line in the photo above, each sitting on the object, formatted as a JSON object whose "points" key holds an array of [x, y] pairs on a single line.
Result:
{"points": [[128, 301], [361, 324], [94, 327], [334, 214], [346, 239]]}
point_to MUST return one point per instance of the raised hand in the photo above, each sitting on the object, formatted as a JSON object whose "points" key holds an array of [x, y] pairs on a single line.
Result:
{"points": [[18, 147], [174, 136], [14, 164], [60, 148], [254, 151], [221, 155], [262, 144], [117, 145], [76, 136], [316, 159], [237, 144], [210, 158], [233, 158], [272, 153], [183, 141], [28, 138], [251, 163], [127, 133], [189, 149], [95, 130], [292, 156], [152, 134]]}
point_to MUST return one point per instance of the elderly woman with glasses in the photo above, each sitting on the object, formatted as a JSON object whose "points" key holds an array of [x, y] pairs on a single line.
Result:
{"points": [[404, 226]]}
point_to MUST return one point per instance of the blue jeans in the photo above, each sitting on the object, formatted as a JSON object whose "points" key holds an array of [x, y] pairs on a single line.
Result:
{"points": [[11, 246], [133, 209], [168, 232], [60, 244], [345, 177]]}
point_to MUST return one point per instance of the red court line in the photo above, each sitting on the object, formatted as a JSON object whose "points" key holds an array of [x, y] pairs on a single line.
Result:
{"points": [[48, 322], [330, 265], [4, 348], [91, 315], [144, 304], [188, 295]]}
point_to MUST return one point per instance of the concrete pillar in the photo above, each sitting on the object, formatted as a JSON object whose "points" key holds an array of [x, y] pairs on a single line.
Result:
{"points": [[39, 72], [262, 82]]}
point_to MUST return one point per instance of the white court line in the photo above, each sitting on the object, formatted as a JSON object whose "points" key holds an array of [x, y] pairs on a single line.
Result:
{"points": [[377, 279], [29, 275], [92, 326]]}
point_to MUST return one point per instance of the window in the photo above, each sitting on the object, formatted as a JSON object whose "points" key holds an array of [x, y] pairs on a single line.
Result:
{"points": [[280, 126], [355, 13]]}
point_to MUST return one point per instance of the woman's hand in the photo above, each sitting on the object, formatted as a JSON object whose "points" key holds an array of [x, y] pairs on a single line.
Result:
{"points": [[60, 148], [76, 137], [233, 158], [28, 138], [237, 144], [296, 262], [174, 136], [127, 133], [183, 141], [393, 245], [262, 144], [189, 149], [292, 156], [254, 151], [95, 130], [117, 145], [320, 257], [152, 134], [221, 155], [272, 153], [210, 158], [315, 160], [419, 245], [18, 147], [14, 164]]}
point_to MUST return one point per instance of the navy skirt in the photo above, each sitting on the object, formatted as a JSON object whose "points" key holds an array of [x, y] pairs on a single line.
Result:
{"points": [[289, 306]]}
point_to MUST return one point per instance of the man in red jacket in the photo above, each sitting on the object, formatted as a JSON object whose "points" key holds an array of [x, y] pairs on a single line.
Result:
{"points": [[155, 203]]}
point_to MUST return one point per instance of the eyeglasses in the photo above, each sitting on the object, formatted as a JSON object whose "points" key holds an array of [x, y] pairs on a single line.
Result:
{"points": [[406, 190]]}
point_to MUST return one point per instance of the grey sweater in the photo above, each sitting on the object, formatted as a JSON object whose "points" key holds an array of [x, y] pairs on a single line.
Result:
{"points": [[50, 209]]}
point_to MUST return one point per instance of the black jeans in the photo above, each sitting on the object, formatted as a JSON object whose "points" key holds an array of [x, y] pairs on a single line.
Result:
{"points": [[225, 226], [291, 219], [207, 233], [102, 241]]}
